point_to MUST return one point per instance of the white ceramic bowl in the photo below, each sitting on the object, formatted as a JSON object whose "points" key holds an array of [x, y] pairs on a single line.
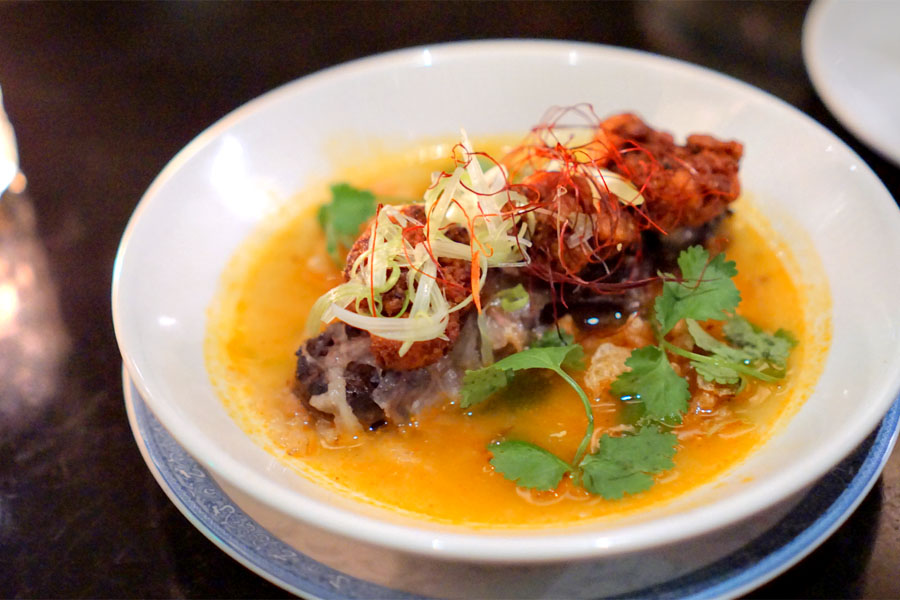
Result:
{"points": [[220, 187]]}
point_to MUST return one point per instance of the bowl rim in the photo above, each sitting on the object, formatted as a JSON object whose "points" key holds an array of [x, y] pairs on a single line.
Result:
{"points": [[536, 546]]}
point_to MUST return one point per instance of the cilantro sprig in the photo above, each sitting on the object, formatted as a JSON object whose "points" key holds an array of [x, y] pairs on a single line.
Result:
{"points": [[480, 384], [704, 291], [652, 382], [656, 397], [624, 464], [342, 218]]}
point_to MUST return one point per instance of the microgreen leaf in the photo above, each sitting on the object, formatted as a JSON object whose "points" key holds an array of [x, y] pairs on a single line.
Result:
{"points": [[528, 465], [626, 464], [652, 381], [758, 344], [514, 298], [342, 218], [705, 290]]}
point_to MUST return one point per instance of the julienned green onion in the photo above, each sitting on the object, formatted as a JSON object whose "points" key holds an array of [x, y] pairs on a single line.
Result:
{"points": [[514, 298], [470, 197]]}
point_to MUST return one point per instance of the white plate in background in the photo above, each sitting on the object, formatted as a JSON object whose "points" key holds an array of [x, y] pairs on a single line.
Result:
{"points": [[852, 52]]}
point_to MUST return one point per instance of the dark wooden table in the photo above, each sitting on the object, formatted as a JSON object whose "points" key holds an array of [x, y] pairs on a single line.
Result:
{"points": [[101, 97]]}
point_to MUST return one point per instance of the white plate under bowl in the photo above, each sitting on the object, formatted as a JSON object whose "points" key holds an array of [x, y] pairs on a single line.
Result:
{"points": [[852, 53], [220, 187], [237, 530]]}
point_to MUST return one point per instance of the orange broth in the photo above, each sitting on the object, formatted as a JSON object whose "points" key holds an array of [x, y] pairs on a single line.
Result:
{"points": [[437, 466]]}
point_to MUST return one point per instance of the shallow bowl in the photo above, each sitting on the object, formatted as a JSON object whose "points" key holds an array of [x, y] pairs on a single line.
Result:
{"points": [[841, 223]]}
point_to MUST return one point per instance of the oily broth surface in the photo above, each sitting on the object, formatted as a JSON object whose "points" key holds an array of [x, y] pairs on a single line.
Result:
{"points": [[437, 467]]}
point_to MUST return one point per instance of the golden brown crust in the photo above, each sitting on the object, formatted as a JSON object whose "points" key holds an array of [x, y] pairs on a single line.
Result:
{"points": [[420, 354], [683, 186], [686, 185], [454, 278], [563, 200]]}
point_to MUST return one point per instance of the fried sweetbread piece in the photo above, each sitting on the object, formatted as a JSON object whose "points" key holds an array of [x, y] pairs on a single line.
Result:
{"points": [[577, 223], [335, 380], [684, 186], [344, 390], [454, 278]]}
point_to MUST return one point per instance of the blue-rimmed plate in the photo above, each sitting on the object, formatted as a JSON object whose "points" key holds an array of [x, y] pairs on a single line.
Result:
{"points": [[200, 498]]}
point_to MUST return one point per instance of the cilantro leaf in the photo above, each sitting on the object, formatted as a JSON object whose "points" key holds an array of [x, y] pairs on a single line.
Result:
{"points": [[625, 465], [483, 383], [554, 337], [547, 357], [652, 380], [528, 465], [557, 337], [514, 298], [479, 384], [342, 218], [707, 342], [719, 373], [758, 344], [705, 290]]}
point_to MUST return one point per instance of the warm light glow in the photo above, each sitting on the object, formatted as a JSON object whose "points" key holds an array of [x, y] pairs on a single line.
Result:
{"points": [[9, 156], [243, 194], [24, 276], [166, 321], [9, 307], [32, 333]]}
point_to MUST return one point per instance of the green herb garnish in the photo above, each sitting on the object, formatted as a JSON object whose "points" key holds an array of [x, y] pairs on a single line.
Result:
{"points": [[514, 298], [342, 218], [557, 337], [479, 384], [554, 337], [705, 290], [774, 348], [652, 382], [626, 464], [656, 396], [528, 465]]}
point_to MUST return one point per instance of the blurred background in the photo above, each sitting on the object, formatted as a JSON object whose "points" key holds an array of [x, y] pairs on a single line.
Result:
{"points": [[101, 96]]}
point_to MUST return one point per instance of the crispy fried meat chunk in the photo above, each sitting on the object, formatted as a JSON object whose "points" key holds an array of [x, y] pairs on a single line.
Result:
{"points": [[577, 222], [454, 279], [334, 381], [344, 390], [686, 185], [582, 238]]}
